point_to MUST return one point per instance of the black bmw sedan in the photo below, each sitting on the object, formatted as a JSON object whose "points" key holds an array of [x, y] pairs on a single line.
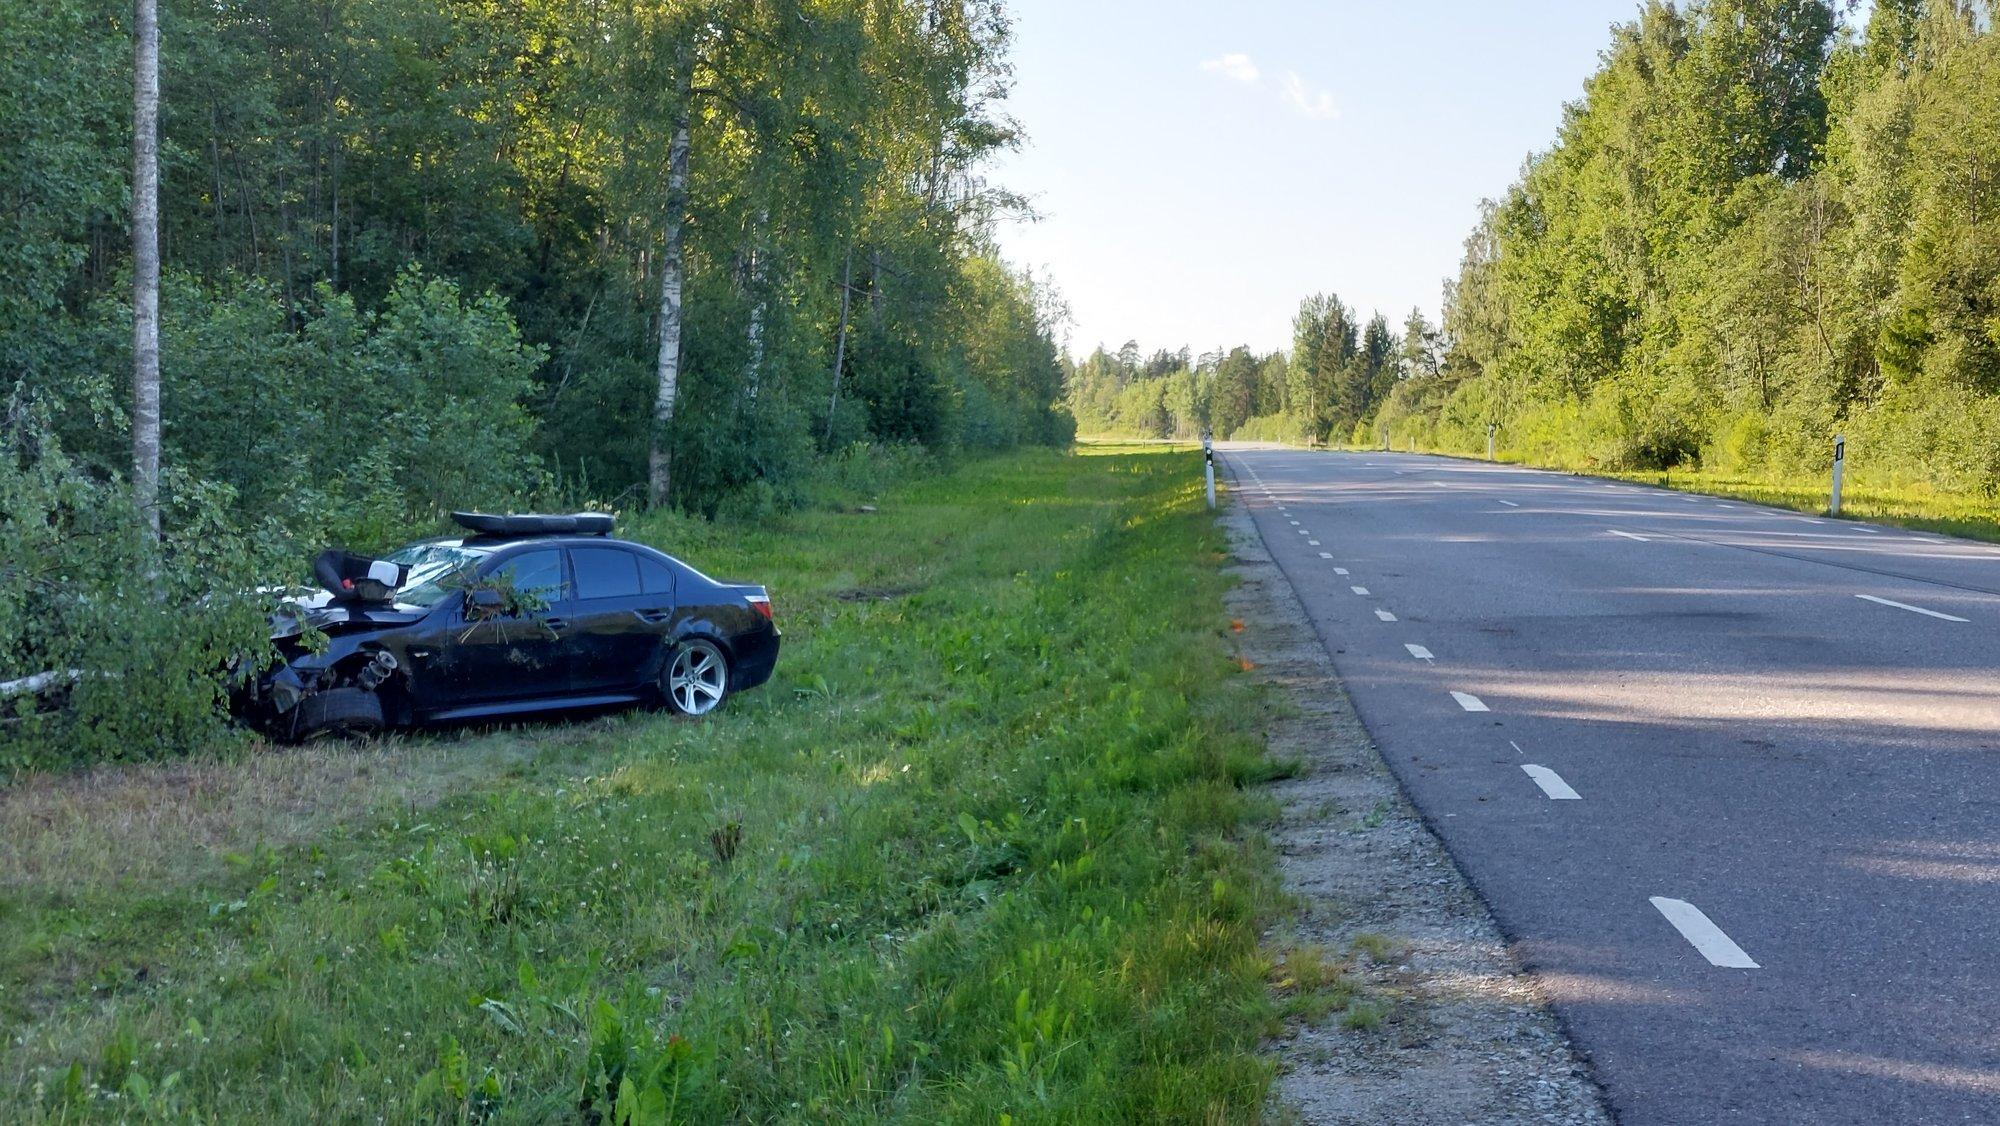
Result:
{"points": [[522, 614]]}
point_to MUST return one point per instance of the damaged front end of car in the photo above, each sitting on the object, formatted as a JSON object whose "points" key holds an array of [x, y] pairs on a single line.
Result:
{"points": [[330, 667]]}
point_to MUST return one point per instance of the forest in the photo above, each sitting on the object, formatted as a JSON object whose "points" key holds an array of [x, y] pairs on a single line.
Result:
{"points": [[710, 257], [1761, 224]]}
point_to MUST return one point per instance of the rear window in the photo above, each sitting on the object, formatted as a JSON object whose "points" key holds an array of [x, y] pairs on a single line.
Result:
{"points": [[605, 572]]}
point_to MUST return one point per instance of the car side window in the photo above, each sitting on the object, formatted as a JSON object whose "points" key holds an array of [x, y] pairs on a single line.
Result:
{"points": [[604, 572], [539, 573], [655, 577]]}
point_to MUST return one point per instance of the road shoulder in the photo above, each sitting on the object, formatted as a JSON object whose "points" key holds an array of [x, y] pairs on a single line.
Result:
{"points": [[1463, 1034]]}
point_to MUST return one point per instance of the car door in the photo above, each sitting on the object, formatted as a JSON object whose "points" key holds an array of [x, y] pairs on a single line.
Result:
{"points": [[501, 658], [615, 626]]}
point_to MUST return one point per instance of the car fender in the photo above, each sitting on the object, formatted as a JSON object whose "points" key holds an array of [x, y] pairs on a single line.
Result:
{"points": [[705, 628]]}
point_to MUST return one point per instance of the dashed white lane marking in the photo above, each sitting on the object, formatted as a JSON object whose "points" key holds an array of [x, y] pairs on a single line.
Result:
{"points": [[1911, 609], [1329, 555], [1441, 484], [1706, 937], [1293, 523], [1470, 702], [1385, 615], [1551, 783], [1360, 590], [1419, 652], [1510, 504], [1338, 570], [1303, 532], [1313, 543], [1516, 746], [1629, 536], [1869, 531]]}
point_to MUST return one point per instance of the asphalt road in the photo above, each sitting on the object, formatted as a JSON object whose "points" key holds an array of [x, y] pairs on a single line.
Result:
{"points": [[1775, 893]]}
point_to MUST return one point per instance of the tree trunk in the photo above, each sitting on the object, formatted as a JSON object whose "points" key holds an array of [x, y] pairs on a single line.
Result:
{"points": [[755, 280], [146, 262], [672, 276], [840, 340]]}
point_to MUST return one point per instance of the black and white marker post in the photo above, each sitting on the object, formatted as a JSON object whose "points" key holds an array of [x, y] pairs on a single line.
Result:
{"points": [[1208, 455], [1839, 471], [1492, 428]]}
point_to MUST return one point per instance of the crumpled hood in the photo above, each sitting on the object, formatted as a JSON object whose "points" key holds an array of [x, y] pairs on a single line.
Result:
{"points": [[318, 609]]}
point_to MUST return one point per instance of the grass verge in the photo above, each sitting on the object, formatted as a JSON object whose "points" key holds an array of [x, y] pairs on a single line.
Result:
{"points": [[980, 852]]}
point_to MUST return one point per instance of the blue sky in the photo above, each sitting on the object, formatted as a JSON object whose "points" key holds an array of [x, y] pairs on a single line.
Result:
{"points": [[1202, 167]]}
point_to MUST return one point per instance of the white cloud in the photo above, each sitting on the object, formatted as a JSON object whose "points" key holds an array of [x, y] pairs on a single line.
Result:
{"points": [[1308, 101], [1235, 65]]}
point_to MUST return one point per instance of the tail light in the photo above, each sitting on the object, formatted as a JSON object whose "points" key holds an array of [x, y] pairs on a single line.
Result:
{"points": [[760, 603]]}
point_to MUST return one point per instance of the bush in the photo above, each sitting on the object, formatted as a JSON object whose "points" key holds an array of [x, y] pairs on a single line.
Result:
{"points": [[138, 632]]}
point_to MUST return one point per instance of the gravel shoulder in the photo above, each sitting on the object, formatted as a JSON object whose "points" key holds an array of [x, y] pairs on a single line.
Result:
{"points": [[1464, 1036]]}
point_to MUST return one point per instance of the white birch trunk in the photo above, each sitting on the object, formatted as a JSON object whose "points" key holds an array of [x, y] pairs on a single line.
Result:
{"points": [[146, 262], [672, 277], [759, 306]]}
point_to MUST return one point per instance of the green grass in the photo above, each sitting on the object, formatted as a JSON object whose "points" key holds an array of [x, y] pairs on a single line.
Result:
{"points": [[980, 852], [1923, 509]]}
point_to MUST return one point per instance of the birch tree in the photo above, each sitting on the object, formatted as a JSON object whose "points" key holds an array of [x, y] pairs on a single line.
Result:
{"points": [[673, 277], [146, 261]]}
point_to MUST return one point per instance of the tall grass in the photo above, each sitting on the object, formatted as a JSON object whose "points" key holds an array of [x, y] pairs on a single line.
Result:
{"points": [[978, 853]]}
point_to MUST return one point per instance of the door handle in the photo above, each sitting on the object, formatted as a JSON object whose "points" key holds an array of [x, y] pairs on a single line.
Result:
{"points": [[654, 616], [556, 625]]}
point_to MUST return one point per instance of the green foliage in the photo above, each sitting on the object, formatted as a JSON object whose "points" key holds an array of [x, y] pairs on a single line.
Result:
{"points": [[415, 259], [1752, 232], [990, 857], [135, 636]]}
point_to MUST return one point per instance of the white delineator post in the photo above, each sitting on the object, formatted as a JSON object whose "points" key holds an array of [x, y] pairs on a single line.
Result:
{"points": [[1839, 471], [1491, 429], [1208, 456]]}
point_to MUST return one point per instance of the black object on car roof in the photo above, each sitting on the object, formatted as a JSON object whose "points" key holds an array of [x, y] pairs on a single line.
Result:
{"points": [[533, 524]]}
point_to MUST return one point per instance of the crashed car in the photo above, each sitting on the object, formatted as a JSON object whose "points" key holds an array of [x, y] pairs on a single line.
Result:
{"points": [[520, 614]]}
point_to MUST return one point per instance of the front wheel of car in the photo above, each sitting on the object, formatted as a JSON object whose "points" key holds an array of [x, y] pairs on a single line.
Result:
{"points": [[338, 712], [697, 677]]}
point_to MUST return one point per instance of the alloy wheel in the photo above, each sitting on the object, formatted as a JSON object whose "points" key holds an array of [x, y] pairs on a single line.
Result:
{"points": [[697, 679]]}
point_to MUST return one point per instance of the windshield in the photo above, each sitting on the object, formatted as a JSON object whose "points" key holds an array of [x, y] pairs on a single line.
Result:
{"points": [[432, 568]]}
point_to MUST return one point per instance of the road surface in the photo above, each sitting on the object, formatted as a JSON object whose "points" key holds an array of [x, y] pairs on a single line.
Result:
{"points": [[1728, 776]]}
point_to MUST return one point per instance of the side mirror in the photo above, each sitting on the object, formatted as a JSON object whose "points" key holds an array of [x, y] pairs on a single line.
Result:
{"points": [[486, 602]]}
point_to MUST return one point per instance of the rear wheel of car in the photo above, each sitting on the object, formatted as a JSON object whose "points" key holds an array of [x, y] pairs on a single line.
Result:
{"points": [[338, 712], [696, 677]]}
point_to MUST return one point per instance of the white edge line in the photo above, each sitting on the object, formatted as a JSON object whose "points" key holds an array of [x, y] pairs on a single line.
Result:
{"points": [[1705, 936], [1470, 702], [1912, 609], [1551, 783]]}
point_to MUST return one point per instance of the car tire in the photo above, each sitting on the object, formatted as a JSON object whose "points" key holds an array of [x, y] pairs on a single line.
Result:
{"points": [[695, 677], [338, 712]]}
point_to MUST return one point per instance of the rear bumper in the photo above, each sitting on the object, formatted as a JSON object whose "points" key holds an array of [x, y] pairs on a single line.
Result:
{"points": [[754, 659]]}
